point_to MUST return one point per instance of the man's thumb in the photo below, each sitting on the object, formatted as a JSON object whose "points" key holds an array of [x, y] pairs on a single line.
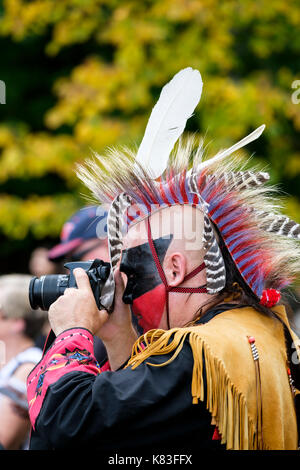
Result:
{"points": [[82, 279]]}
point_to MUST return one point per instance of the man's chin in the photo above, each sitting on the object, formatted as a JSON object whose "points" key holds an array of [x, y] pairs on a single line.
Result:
{"points": [[149, 308], [145, 326]]}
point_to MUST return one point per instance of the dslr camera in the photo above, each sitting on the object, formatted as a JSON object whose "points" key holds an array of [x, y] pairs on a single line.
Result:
{"points": [[45, 290]]}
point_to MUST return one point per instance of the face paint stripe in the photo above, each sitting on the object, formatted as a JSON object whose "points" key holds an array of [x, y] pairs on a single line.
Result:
{"points": [[139, 261], [149, 307]]}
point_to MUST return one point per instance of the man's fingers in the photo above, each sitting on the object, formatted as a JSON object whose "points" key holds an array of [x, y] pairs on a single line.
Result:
{"points": [[82, 279], [69, 291], [119, 280]]}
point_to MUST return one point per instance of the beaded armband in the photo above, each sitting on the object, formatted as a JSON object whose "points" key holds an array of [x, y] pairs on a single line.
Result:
{"points": [[73, 350]]}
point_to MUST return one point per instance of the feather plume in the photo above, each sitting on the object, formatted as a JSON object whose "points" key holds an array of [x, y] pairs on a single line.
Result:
{"points": [[279, 224], [114, 226], [246, 211], [262, 242], [213, 259], [167, 121], [225, 153]]}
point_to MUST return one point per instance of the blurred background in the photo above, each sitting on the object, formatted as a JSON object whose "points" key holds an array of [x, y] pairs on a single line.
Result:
{"points": [[85, 74]]}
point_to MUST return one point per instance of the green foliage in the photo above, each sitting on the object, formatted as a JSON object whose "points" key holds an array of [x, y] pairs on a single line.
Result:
{"points": [[91, 70]]}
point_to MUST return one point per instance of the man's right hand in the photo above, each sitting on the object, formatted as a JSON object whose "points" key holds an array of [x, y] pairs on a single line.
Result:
{"points": [[117, 332]]}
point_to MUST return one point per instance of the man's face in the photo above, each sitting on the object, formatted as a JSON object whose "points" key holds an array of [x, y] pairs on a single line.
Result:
{"points": [[145, 290], [178, 229]]}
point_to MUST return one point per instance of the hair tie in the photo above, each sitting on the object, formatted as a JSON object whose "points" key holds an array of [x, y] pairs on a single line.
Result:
{"points": [[270, 297]]}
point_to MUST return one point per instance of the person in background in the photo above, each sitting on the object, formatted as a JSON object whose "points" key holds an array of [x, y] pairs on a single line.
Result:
{"points": [[19, 327], [83, 237], [39, 264]]}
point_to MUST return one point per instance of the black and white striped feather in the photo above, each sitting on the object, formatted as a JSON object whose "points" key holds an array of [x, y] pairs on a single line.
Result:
{"points": [[279, 224], [115, 220], [193, 187], [213, 259], [245, 179]]}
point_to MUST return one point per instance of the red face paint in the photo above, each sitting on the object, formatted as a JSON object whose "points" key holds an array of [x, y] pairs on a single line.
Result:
{"points": [[149, 307], [145, 290]]}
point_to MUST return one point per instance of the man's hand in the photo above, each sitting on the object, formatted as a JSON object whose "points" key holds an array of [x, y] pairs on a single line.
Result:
{"points": [[118, 333], [77, 308], [118, 323]]}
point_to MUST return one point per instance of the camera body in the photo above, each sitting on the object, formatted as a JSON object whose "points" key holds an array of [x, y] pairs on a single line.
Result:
{"points": [[45, 290]]}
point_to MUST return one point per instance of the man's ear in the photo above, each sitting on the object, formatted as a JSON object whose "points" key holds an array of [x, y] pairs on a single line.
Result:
{"points": [[175, 268]]}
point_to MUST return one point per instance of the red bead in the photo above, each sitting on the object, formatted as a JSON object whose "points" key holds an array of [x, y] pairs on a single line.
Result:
{"points": [[270, 297], [216, 435], [251, 339], [289, 371]]}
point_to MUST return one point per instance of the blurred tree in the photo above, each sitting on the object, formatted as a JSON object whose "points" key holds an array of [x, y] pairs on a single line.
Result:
{"points": [[85, 74]]}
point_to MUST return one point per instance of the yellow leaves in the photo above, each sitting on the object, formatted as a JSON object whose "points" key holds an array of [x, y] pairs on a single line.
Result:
{"points": [[292, 208], [6, 136], [98, 133], [179, 10], [35, 155], [42, 216], [292, 167], [89, 92], [74, 28], [23, 17], [293, 112], [95, 90], [126, 25], [136, 47]]}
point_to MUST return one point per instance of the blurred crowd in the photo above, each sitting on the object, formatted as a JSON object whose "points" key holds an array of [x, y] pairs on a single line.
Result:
{"points": [[23, 331]]}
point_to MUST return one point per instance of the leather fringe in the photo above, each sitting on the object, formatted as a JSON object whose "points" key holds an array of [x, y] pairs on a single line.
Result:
{"points": [[226, 404]]}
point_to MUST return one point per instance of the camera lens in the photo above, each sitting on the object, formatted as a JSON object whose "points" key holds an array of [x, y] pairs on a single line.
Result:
{"points": [[45, 290]]}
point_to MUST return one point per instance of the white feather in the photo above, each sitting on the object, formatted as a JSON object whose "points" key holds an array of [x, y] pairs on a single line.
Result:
{"points": [[167, 121], [246, 140]]}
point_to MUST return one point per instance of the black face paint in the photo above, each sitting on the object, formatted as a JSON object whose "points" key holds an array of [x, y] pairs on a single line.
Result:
{"points": [[139, 266]]}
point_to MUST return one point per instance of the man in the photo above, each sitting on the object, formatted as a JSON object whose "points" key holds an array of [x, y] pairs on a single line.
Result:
{"points": [[205, 256]]}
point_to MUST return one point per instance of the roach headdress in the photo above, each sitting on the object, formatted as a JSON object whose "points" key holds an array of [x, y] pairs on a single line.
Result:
{"points": [[260, 240]]}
